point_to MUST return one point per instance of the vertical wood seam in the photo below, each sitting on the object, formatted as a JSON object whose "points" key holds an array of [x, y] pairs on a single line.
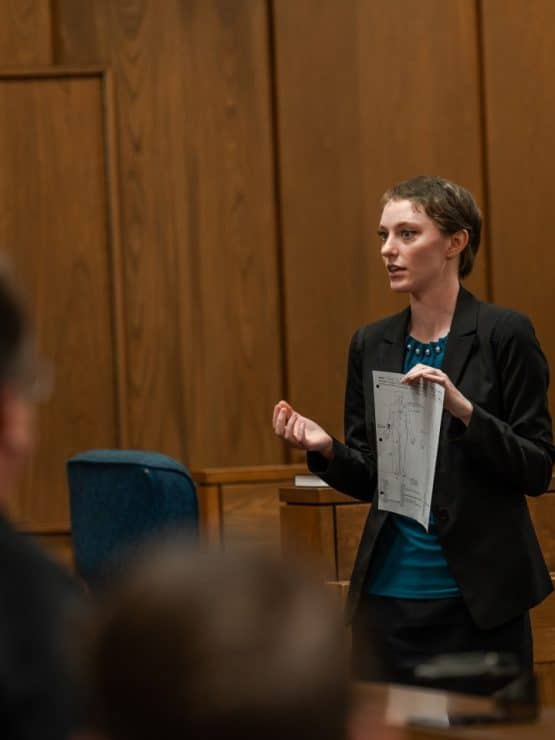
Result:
{"points": [[221, 514], [484, 153], [53, 18], [278, 208], [116, 270], [335, 541]]}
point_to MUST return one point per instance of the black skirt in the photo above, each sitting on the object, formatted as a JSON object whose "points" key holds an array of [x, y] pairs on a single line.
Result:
{"points": [[392, 636]]}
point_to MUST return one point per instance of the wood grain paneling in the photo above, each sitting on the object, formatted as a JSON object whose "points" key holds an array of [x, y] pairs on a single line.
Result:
{"points": [[54, 221], [198, 219], [543, 625], [239, 506], [210, 514], [248, 474], [415, 118], [306, 516], [25, 32], [340, 590], [543, 630], [308, 534], [349, 524], [363, 100], [546, 675], [250, 517], [542, 511], [520, 106], [313, 495]]}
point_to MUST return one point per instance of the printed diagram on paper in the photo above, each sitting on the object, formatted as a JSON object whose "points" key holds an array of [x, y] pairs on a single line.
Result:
{"points": [[408, 420]]}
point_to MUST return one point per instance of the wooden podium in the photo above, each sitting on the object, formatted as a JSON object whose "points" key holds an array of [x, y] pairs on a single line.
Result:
{"points": [[322, 527]]}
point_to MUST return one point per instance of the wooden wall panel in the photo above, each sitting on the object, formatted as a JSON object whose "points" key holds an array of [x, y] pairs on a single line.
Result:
{"points": [[363, 101], [239, 506], [251, 517], [349, 525], [198, 219], [25, 32], [542, 511], [543, 630], [308, 536], [546, 676], [54, 221], [519, 72]]}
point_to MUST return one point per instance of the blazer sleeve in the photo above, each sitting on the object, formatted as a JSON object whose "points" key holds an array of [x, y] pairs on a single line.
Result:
{"points": [[353, 469], [517, 448]]}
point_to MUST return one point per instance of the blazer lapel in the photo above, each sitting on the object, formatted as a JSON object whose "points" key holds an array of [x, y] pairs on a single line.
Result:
{"points": [[462, 336], [391, 351]]}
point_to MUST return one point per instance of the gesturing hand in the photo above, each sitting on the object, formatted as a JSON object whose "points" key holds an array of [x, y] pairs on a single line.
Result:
{"points": [[300, 431], [454, 401]]}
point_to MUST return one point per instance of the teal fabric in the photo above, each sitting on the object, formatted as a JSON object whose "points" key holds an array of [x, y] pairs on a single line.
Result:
{"points": [[409, 562], [121, 498]]}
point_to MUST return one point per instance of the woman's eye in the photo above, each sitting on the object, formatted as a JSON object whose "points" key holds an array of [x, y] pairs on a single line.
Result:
{"points": [[407, 234], [382, 236]]}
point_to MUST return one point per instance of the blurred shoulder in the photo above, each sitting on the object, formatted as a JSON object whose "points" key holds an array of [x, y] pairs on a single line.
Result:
{"points": [[27, 567]]}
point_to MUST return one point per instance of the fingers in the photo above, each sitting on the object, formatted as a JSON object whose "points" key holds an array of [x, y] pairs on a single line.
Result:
{"points": [[292, 429], [282, 412], [415, 373], [424, 372], [298, 435], [299, 431], [289, 430], [277, 409], [294, 422], [288, 424]]}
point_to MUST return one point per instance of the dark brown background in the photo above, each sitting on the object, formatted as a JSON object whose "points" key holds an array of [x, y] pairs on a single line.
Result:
{"points": [[189, 189]]}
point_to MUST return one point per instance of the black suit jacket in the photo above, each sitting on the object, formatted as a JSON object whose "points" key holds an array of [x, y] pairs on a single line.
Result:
{"points": [[40, 604], [483, 471]]}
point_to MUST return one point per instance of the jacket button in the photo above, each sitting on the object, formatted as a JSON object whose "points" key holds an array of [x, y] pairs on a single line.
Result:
{"points": [[442, 515]]}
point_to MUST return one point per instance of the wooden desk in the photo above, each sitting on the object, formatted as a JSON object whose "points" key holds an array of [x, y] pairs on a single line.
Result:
{"points": [[386, 710], [240, 506]]}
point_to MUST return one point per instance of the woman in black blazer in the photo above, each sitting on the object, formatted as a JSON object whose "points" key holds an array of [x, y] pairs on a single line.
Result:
{"points": [[467, 584]]}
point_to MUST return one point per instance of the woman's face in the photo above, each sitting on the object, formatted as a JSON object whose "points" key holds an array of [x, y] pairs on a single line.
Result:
{"points": [[416, 254]]}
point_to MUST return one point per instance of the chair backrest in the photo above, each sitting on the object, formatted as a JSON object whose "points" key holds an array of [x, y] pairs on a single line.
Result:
{"points": [[120, 498]]}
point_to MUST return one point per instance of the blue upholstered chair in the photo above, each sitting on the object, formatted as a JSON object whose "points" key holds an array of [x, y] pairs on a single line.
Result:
{"points": [[120, 498]]}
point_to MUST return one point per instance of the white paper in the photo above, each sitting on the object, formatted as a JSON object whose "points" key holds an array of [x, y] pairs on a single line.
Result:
{"points": [[406, 704], [408, 420]]}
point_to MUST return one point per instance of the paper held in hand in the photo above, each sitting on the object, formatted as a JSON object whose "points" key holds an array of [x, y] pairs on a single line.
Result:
{"points": [[408, 420]]}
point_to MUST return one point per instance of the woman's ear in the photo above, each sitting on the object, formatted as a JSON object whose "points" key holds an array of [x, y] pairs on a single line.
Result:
{"points": [[458, 242]]}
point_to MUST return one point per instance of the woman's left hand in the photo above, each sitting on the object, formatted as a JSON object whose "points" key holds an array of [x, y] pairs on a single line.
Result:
{"points": [[454, 401]]}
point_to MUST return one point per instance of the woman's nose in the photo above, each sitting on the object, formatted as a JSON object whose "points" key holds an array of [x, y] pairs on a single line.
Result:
{"points": [[388, 246]]}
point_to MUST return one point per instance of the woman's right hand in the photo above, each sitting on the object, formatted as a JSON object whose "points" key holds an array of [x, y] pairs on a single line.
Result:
{"points": [[300, 431]]}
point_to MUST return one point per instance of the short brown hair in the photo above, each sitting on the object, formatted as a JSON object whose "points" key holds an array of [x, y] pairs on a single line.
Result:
{"points": [[450, 206], [212, 646]]}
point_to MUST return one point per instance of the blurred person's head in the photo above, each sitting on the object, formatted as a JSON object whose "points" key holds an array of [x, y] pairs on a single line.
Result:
{"points": [[205, 645], [18, 382]]}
